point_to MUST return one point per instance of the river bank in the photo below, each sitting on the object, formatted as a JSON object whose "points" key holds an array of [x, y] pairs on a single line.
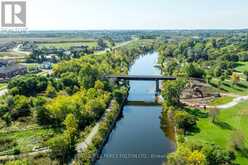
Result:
{"points": [[139, 136], [89, 150]]}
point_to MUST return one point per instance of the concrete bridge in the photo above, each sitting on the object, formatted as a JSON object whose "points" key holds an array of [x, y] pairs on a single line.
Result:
{"points": [[156, 78]]}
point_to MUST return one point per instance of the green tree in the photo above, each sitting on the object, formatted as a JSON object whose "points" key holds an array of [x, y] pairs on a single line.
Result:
{"points": [[21, 107], [172, 91], [194, 70], [185, 156], [60, 106], [71, 128], [246, 75], [235, 78], [238, 140], [50, 91], [99, 85], [59, 146], [28, 85], [185, 121], [217, 155], [101, 43], [197, 158], [43, 116], [213, 113]]}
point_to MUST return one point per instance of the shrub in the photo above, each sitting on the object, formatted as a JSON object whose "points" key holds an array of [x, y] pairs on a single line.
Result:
{"points": [[238, 140], [16, 151], [194, 70], [217, 155], [185, 121], [59, 146], [7, 143], [17, 162]]}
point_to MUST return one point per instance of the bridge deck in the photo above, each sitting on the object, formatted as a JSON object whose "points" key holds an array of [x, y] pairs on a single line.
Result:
{"points": [[142, 77]]}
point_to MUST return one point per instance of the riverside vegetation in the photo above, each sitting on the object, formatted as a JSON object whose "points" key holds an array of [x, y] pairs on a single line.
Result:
{"points": [[52, 112], [43, 112], [206, 136]]}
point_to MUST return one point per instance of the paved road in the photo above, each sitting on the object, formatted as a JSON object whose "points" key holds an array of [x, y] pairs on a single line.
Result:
{"points": [[83, 145], [233, 103], [17, 50], [88, 140]]}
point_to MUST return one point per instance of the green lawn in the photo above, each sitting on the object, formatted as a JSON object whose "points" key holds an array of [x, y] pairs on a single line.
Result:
{"points": [[242, 66], [227, 87], [221, 100], [66, 45], [221, 133]]}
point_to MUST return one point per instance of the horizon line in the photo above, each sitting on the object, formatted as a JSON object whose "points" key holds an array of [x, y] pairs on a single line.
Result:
{"points": [[152, 29]]}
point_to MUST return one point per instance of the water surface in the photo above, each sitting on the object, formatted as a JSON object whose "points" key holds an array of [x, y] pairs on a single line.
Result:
{"points": [[138, 138]]}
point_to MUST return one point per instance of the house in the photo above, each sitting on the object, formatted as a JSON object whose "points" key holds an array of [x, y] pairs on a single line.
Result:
{"points": [[7, 46], [27, 46], [4, 63], [9, 71], [46, 65]]}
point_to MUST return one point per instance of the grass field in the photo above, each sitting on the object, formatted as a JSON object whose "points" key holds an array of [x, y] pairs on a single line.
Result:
{"points": [[221, 100], [242, 66], [12, 55], [229, 120], [66, 45]]}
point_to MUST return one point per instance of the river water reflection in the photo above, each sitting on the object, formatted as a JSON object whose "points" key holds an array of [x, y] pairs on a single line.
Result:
{"points": [[138, 138]]}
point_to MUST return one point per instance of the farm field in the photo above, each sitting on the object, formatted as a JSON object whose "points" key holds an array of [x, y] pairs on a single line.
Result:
{"points": [[12, 55], [67, 44]]}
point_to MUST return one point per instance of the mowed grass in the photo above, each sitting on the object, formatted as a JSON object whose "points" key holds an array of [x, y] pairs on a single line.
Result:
{"points": [[67, 45], [227, 87], [221, 100], [229, 120], [242, 66]]}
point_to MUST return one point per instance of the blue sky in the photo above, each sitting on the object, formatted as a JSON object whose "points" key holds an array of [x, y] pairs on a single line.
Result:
{"points": [[136, 14]]}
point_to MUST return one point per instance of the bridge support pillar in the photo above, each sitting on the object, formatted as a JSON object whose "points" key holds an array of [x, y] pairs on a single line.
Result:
{"points": [[157, 88]]}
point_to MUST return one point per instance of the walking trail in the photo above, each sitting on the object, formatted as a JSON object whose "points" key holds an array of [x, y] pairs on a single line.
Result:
{"points": [[233, 103], [79, 147]]}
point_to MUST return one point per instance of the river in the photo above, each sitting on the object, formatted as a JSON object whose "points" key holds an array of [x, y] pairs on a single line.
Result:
{"points": [[138, 138]]}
